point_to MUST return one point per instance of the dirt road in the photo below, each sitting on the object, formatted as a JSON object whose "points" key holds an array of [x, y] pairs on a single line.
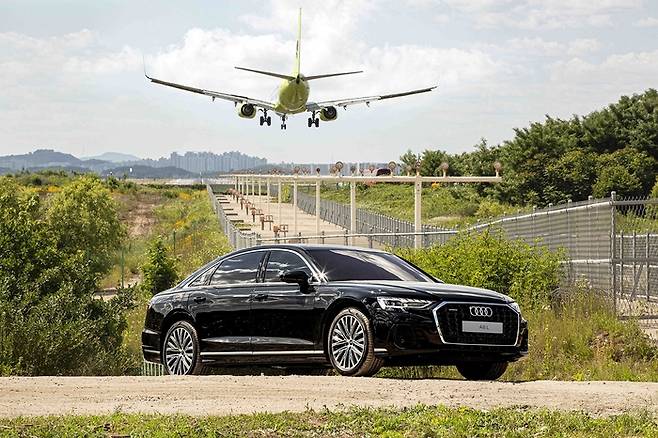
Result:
{"points": [[246, 394]]}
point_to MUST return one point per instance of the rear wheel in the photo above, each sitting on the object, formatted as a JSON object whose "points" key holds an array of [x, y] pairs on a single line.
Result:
{"points": [[482, 370], [181, 351], [350, 343]]}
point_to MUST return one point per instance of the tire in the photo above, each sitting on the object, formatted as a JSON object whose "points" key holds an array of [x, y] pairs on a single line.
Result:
{"points": [[350, 344], [482, 370], [181, 350]]}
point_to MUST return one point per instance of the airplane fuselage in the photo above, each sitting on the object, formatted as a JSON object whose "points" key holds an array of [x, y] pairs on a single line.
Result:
{"points": [[293, 95]]}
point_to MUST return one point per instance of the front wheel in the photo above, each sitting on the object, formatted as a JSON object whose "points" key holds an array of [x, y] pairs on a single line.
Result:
{"points": [[180, 350], [482, 370], [350, 344]]}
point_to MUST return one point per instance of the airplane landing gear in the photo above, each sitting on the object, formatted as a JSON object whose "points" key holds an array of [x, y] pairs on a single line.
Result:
{"points": [[283, 122], [313, 121], [265, 119]]}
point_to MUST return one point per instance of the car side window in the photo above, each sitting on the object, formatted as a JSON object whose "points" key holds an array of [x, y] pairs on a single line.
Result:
{"points": [[241, 268], [202, 279], [284, 261]]}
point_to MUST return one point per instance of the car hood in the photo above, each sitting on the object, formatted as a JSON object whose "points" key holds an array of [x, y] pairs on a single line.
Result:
{"points": [[442, 291]]}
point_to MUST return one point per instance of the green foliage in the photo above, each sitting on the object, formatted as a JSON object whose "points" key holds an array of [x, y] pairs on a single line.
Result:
{"points": [[441, 205], [580, 337], [49, 321], [159, 271], [529, 274], [85, 223], [615, 148], [416, 421], [408, 162]]}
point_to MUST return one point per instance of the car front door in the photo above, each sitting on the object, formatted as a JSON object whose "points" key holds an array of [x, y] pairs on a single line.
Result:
{"points": [[222, 308], [285, 320]]}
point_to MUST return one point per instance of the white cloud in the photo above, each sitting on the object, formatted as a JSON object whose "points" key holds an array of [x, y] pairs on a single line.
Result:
{"points": [[540, 14], [441, 18], [539, 47], [623, 73], [647, 22]]}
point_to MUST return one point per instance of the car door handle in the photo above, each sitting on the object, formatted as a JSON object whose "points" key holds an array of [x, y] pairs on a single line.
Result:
{"points": [[259, 297], [199, 299]]}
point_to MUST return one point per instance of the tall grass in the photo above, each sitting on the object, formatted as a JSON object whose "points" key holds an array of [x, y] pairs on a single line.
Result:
{"points": [[198, 240], [441, 205]]}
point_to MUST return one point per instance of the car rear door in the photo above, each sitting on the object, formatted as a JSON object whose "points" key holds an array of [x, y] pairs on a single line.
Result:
{"points": [[285, 320], [222, 309]]}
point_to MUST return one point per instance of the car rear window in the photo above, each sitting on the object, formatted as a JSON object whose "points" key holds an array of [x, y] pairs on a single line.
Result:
{"points": [[349, 264]]}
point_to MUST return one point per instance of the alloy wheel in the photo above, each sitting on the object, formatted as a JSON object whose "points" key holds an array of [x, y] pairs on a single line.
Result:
{"points": [[179, 351], [348, 342]]}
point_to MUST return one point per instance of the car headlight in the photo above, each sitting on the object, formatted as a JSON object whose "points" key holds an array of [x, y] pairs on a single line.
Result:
{"points": [[402, 303], [514, 305]]}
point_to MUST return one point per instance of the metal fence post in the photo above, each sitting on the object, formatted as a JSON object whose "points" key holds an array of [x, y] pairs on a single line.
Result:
{"points": [[613, 250], [646, 250]]}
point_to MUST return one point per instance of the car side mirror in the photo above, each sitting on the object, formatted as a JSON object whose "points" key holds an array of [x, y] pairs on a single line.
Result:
{"points": [[299, 277]]}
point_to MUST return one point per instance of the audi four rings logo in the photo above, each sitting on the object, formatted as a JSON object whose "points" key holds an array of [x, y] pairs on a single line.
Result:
{"points": [[481, 311]]}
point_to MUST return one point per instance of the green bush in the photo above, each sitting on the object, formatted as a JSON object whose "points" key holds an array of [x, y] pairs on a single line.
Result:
{"points": [[51, 257], [159, 271], [529, 274]]}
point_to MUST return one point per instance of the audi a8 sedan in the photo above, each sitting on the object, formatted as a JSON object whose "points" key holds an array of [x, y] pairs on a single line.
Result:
{"points": [[353, 309]]}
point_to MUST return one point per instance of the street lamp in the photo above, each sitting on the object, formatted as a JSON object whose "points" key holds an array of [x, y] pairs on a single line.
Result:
{"points": [[498, 166], [444, 168]]}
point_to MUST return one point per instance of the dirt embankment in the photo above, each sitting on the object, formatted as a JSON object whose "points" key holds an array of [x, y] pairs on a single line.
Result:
{"points": [[217, 395]]}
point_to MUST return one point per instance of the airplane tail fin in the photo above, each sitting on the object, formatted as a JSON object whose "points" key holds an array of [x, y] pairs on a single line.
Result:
{"points": [[299, 45]]}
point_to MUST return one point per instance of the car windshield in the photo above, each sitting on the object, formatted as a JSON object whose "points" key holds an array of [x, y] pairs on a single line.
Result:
{"points": [[349, 264]]}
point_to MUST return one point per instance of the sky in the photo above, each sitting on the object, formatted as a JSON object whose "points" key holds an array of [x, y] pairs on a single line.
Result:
{"points": [[71, 72]]}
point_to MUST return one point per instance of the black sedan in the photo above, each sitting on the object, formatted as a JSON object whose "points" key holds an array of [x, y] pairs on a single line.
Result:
{"points": [[316, 305]]}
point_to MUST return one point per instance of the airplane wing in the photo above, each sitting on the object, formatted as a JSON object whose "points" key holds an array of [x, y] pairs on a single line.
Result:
{"points": [[216, 94], [316, 106]]}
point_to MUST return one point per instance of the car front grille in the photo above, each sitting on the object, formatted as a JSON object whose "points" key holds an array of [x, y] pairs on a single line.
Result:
{"points": [[449, 317]]}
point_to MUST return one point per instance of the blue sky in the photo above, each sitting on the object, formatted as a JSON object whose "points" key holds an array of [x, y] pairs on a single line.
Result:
{"points": [[72, 78]]}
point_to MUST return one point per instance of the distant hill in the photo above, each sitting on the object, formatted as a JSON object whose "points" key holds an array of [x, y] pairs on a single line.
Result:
{"points": [[191, 164], [113, 157], [40, 158]]}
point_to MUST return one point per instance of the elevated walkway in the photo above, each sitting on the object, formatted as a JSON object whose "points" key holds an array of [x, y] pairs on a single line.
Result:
{"points": [[275, 222]]}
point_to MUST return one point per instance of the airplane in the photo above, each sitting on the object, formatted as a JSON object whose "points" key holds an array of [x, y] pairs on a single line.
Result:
{"points": [[293, 95]]}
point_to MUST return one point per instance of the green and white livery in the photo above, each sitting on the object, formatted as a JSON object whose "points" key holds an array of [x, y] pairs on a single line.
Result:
{"points": [[293, 95]]}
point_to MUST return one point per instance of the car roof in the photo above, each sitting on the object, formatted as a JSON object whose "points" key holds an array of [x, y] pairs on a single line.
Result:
{"points": [[312, 246]]}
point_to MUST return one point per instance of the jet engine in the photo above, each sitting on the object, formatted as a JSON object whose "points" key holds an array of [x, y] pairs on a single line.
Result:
{"points": [[328, 114], [247, 111]]}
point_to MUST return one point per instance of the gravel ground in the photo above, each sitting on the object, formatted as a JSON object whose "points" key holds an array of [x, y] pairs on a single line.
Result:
{"points": [[217, 395]]}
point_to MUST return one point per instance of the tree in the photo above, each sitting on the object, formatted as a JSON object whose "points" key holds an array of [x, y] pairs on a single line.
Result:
{"points": [[47, 283], [159, 271], [408, 160], [84, 218], [430, 164]]}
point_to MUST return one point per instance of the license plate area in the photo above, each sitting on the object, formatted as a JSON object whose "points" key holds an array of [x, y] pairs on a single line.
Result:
{"points": [[482, 327]]}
